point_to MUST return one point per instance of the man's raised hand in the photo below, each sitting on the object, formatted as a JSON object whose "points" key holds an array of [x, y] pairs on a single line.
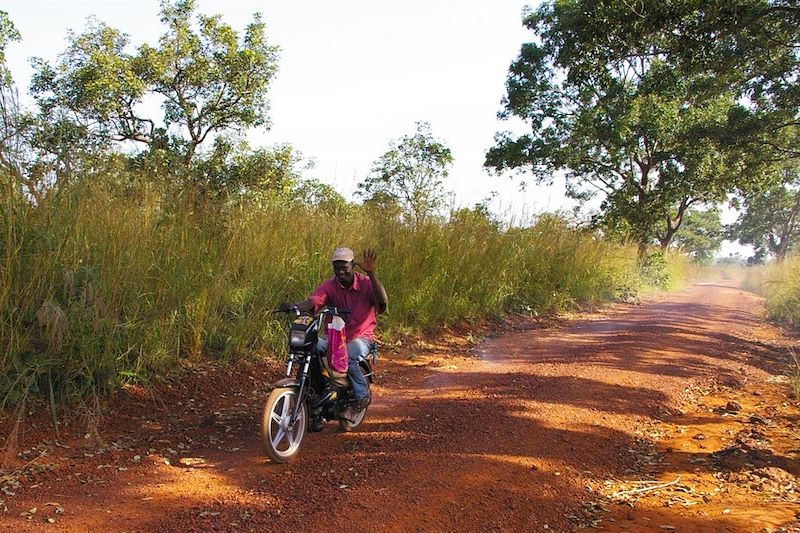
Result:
{"points": [[369, 258]]}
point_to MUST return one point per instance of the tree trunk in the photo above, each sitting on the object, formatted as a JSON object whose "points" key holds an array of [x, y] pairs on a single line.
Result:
{"points": [[642, 252], [674, 224]]}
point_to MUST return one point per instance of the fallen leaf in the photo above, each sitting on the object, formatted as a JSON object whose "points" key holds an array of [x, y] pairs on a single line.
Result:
{"points": [[192, 461]]}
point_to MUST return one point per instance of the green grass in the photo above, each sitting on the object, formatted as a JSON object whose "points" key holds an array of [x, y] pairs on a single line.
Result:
{"points": [[101, 286]]}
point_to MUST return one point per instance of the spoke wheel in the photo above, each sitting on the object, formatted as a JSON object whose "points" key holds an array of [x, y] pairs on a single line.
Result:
{"points": [[281, 441]]}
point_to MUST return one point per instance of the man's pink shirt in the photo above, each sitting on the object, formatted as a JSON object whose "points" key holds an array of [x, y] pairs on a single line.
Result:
{"points": [[358, 299]]}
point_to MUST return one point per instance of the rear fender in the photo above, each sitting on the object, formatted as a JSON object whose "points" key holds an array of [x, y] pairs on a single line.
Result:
{"points": [[366, 369]]}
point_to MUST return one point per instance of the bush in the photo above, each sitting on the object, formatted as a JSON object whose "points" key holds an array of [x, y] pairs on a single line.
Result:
{"points": [[655, 271]]}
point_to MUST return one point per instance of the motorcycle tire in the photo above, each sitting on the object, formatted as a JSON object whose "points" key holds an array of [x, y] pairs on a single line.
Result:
{"points": [[350, 425], [281, 444]]}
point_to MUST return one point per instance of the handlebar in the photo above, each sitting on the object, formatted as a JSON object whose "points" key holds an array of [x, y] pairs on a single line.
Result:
{"points": [[335, 311], [324, 311], [291, 309]]}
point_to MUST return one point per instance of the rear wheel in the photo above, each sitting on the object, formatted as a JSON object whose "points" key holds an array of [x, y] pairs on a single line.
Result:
{"points": [[281, 441], [355, 421]]}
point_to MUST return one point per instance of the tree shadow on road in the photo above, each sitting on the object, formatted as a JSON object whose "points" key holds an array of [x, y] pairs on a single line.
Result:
{"points": [[685, 345]]}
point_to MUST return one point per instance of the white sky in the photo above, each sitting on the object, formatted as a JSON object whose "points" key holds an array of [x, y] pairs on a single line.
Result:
{"points": [[353, 75]]}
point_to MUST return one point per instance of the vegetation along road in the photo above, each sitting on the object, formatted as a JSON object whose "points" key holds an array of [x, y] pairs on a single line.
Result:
{"points": [[662, 416]]}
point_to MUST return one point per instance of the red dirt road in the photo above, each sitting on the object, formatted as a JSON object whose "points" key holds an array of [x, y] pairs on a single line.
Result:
{"points": [[532, 430]]}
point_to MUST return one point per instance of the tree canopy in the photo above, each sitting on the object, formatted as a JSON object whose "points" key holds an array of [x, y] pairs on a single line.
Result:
{"points": [[626, 109], [9, 106], [770, 220], [206, 78], [749, 47]]}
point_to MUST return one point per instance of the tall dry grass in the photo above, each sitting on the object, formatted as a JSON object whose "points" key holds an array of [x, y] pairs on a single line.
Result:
{"points": [[102, 285], [779, 283]]}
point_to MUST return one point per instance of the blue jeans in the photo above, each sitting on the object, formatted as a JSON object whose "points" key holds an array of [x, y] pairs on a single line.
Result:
{"points": [[357, 349]]}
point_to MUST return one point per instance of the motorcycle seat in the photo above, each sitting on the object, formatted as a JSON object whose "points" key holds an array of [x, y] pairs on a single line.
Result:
{"points": [[338, 379]]}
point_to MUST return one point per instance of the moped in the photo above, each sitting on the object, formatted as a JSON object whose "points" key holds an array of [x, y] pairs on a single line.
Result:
{"points": [[315, 393]]}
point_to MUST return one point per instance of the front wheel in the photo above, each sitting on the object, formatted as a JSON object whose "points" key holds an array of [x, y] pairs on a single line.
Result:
{"points": [[281, 441]]}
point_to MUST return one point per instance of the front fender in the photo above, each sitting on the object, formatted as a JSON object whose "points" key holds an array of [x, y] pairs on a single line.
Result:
{"points": [[286, 382]]}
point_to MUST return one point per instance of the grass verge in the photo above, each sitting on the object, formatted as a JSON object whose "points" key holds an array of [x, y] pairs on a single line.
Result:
{"points": [[104, 285]]}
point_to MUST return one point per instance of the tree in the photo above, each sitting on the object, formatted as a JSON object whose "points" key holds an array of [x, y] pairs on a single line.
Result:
{"points": [[11, 119], [746, 46], [770, 221], [207, 79], [701, 234], [410, 175], [233, 169], [36, 150], [607, 105], [319, 196]]}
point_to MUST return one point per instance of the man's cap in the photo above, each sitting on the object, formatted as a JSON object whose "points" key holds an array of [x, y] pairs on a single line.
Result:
{"points": [[342, 254]]}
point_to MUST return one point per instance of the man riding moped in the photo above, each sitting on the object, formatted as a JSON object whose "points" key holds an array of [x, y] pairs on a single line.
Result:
{"points": [[365, 297]]}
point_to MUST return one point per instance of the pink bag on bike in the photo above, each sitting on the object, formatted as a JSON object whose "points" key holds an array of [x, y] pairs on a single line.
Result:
{"points": [[337, 345]]}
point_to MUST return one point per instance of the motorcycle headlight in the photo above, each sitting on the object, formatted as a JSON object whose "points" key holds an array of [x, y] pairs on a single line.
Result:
{"points": [[297, 338]]}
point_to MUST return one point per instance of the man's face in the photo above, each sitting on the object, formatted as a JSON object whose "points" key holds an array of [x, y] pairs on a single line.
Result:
{"points": [[343, 270]]}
